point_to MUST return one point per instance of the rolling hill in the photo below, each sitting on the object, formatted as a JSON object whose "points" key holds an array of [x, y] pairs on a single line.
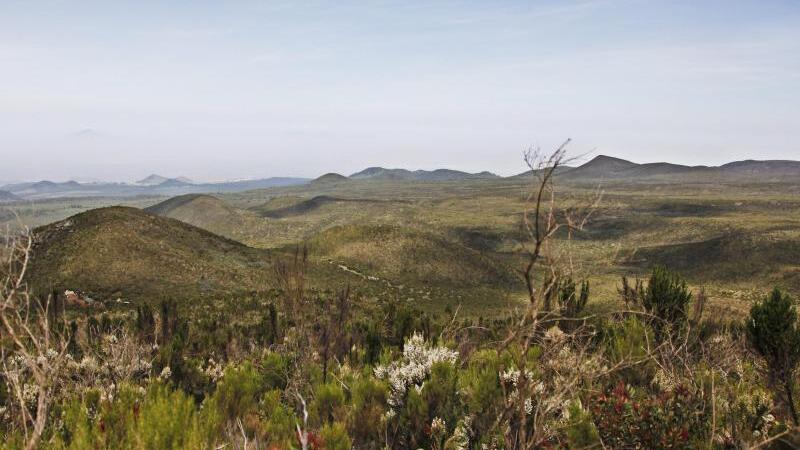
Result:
{"points": [[305, 206], [406, 255], [210, 213], [127, 252]]}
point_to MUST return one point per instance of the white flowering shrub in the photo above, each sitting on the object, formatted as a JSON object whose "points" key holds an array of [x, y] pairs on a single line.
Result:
{"points": [[413, 367]]}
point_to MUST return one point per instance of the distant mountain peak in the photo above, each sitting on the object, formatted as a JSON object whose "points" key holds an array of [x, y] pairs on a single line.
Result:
{"points": [[157, 180], [152, 180]]}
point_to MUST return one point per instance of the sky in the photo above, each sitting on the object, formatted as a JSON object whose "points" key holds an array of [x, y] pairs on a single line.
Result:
{"points": [[213, 90]]}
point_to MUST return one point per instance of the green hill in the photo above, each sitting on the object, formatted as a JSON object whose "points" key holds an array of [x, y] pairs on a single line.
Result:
{"points": [[207, 212], [126, 252]]}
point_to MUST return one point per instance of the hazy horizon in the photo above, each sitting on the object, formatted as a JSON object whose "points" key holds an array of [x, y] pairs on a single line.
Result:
{"points": [[255, 89]]}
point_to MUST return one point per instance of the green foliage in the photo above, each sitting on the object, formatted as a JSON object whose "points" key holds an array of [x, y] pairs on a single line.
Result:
{"points": [[169, 420], [334, 437], [773, 332], [667, 298], [581, 432], [238, 391], [480, 384], [162, 419], [571, 302], [279, 421], [275, 370], [369, 397], [328, 403], [440, 392], [628, 341]]}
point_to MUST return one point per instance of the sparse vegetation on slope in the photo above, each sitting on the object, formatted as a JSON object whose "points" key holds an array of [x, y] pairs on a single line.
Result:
{"points": [[126, 252]]}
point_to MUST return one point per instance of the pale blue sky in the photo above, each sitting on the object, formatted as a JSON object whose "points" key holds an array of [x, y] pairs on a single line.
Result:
{"points": [[219, 90]]}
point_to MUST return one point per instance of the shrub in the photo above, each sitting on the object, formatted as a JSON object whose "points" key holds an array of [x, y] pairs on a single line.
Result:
{"points": [[667, 298], [327, 404], [279, 424], [626, 341], [581, 432], [334, 437], [772, 331], [238, 391], [275, 368], [677, 419], [161, 419], [369, 405]]}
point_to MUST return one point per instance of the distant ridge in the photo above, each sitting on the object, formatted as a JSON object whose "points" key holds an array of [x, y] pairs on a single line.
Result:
{"points": [[380, 173], [167, 186], [605, 167]]}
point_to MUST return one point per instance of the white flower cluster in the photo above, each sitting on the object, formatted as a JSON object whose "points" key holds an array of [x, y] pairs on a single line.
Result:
{"points": [[413, 368], [213, 370], [30, 393], [166, 372]]}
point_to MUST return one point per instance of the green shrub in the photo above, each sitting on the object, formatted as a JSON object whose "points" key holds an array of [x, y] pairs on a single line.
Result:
{"points": [[275, 368], [369, 398], [238, 391], [334, 437], [628, 341], [772, 331], [667, 298], [327, 404], [162, 419], [581, 432], [279, 422]]}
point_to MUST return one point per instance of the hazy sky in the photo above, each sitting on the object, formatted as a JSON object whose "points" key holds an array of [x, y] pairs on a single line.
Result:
{"points": [[227, 89]]}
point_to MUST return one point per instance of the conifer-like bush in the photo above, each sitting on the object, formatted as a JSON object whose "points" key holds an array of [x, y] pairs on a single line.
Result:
{"points": [[773, 333], [666, 298]]}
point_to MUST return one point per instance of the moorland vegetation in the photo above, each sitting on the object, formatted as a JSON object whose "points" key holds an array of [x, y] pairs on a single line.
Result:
{"points": [[283, 348]]}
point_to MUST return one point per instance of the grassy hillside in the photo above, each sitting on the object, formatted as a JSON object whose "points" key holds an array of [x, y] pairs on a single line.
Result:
{"points": [[126, 252], [407, 255], [207, 212]]}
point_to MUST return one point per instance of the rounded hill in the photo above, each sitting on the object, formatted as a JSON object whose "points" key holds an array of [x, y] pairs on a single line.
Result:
{"points": [[330, 178], [204, 211], [127, 252]]}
